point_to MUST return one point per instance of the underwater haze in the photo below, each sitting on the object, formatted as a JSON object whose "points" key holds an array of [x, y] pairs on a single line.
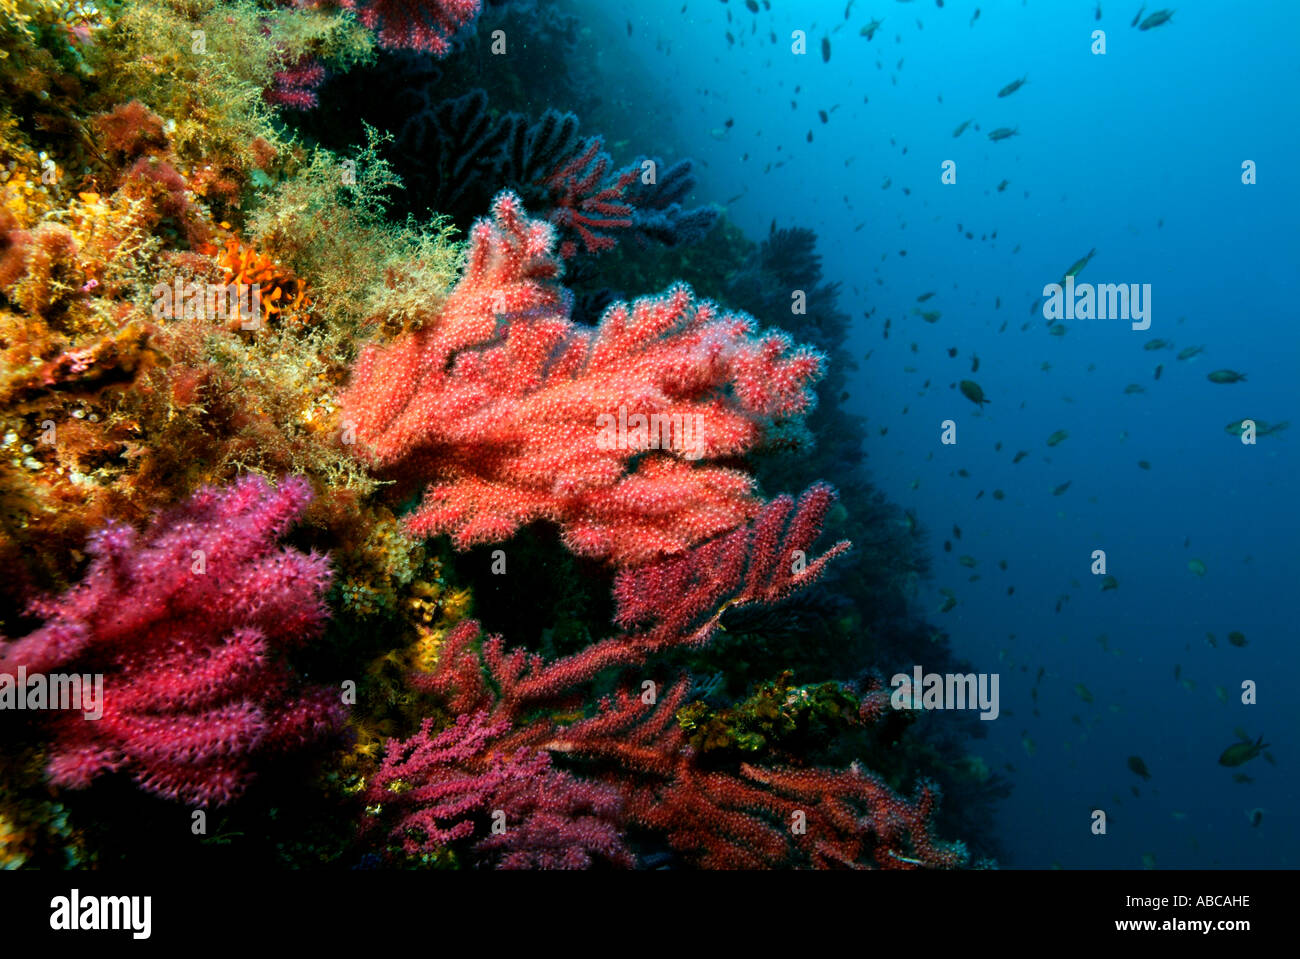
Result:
{"points": [[1138, 153]]}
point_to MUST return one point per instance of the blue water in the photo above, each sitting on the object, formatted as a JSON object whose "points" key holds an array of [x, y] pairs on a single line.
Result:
{"points": [[1139, 154]]}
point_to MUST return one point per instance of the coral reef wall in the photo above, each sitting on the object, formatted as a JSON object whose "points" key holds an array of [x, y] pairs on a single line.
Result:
{"points": [[384, 449]]}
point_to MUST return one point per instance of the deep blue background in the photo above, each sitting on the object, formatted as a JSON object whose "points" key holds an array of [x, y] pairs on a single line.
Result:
{"points": [[1109, 147]]}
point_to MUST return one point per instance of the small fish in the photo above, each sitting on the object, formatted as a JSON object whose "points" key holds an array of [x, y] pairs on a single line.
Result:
{"points": [[826, 49], [1160, 368], [974, 363], [752, 5], [930, 316], [1078, 265], [1196, 567], [1189, 352], [1255, 816], [1082, 692], [1226, 376], [1013, 86], [961, 129], [998, 494], [1098, 16], [1134, 388], [870, 29], [1062, 488], [1003, 185], [967, 561], [975, 16], [971, 390], [1110, 582], [1138, 15], [1156, 19], [1019, 456], [1237, 427], [1001, 133], [923, 297], [1144, 465], [1157, 344], [1058, 437], [1241, 752], [1136, 764], [1237, 638]]}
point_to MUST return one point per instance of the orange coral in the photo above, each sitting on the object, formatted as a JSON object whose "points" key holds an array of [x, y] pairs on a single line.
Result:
{"points": [[282, 293]]}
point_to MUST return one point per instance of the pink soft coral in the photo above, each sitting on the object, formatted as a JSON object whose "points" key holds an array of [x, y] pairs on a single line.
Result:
{"points": [[187, 623]]}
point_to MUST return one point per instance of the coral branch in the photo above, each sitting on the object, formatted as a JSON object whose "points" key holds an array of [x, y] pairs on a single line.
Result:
{"points": [[585, 204]]}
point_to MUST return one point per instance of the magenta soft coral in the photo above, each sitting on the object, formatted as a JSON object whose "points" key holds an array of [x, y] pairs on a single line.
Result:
{"points": [[424, 25], [187, 622], [437, 786]]}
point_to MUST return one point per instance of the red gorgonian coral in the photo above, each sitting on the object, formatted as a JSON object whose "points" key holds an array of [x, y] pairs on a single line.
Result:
{"points": [[585, 204], [515, 704], [513, 413], [424, 25]]}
